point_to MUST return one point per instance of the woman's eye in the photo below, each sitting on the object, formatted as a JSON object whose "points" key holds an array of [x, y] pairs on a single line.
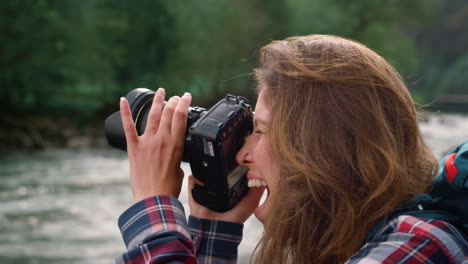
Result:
{"points": [[262, 132], [256, 130]]}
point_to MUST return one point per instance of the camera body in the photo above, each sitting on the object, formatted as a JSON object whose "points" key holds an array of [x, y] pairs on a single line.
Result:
{"points": [[212, 141]]}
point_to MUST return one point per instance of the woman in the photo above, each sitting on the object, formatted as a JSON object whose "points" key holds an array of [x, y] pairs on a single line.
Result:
{"points": [[337, 143]]}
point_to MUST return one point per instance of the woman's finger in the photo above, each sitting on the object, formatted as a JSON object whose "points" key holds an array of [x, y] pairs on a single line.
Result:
{"points": [[191, 184], [179, 119], [155, 112], [195, 181], [167, 114], [127, 122]]}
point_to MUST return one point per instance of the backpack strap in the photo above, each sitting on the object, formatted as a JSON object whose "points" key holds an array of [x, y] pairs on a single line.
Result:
{"points": [[447, 199], [451, 185], [421, 206]]}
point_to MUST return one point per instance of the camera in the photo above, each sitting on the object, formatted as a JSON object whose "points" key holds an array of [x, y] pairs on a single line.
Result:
{"points": [[212, 140]]}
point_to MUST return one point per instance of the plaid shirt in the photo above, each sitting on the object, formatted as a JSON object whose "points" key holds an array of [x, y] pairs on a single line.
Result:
{"points": [[155, 231], [408, 239]]}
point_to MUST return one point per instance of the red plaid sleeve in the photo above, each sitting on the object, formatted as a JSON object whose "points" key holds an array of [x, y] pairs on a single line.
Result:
{"points": [[155, 231], [409, 239]]}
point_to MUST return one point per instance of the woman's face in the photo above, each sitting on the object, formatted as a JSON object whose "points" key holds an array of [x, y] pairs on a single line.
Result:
{"points": [[255, 155]]}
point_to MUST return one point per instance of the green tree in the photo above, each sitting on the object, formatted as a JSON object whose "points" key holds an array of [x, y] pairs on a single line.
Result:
{"points": [[442, 46], [51, 57], [383, 25], [78, 57]]}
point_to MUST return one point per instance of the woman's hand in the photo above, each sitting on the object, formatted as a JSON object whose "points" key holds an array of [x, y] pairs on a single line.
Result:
{"points": [[156, 155], [239, 214]]}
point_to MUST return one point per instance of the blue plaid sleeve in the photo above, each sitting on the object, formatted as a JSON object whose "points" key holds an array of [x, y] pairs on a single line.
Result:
{"points": [[215, 241]]}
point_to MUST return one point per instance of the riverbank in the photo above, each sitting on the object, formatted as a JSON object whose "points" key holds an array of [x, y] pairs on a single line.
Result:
{"points": [[35, 132]]}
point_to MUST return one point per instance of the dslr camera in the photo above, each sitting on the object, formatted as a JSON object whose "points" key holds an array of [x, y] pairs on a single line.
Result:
{"points": [[212, 140]]}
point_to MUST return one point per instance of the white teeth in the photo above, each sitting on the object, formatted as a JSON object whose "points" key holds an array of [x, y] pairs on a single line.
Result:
{"points": [[256, 183]]}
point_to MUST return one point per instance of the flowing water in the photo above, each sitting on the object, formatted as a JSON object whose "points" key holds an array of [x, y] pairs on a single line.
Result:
{"points": [[62, 206]]}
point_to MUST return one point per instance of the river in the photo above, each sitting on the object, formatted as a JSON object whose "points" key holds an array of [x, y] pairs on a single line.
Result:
{"points": [[61, 206]]}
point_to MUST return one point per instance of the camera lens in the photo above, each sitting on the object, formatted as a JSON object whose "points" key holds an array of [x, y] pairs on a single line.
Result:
{"points": [[140, 101]]}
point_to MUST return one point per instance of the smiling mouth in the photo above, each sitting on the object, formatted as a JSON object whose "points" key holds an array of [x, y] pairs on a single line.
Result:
{"points": [[257, 183]]}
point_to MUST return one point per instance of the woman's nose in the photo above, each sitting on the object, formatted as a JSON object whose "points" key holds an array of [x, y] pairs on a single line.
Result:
{"points": [[244, 156]]}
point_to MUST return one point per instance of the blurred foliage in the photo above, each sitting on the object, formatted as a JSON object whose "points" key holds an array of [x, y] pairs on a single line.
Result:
{"points": [[76, 58], [443, 49]]}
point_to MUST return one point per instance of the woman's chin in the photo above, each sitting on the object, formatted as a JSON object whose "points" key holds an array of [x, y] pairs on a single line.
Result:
{"points": [[261, 212]]}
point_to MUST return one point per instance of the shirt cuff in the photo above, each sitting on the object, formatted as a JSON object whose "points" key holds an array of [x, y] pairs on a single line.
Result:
{"points": [[152, 216], [215, 239]]}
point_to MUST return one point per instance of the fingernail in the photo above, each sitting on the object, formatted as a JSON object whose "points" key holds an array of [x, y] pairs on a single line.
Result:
{"points": [[122, 99], [160, 89], [176, 97], [187, 94]]}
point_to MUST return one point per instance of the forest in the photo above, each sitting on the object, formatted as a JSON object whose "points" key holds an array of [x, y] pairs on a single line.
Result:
{"points": [[64, 63]]}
